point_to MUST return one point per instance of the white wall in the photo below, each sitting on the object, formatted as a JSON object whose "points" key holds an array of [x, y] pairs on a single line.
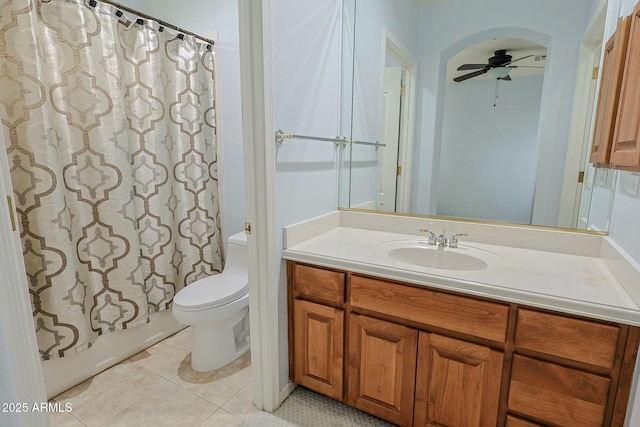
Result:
{"points": [[625, 221], [626, 7], [374, 19], [140, 5], [601, 200], [450, 26], [307, 39], [497, 143], [203, 17]]}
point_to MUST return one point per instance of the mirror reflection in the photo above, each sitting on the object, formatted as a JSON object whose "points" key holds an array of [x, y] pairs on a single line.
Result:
{"points": [[490, 122], [476, 106]]}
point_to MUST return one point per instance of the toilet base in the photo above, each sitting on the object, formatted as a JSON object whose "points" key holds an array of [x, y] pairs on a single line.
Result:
{"points": [[218, 343]]}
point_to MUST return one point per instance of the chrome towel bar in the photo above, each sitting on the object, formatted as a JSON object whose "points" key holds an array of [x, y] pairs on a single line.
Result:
{"points": [[281, 136]]}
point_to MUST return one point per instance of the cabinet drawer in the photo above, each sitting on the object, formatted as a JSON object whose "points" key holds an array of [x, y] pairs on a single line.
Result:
{"points": [[470, 316], [319, 283], [519, 422], [557, 394], [575, 339]]}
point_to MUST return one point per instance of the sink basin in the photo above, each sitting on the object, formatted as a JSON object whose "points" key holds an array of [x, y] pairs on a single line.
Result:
{"points": [[421, 254], [445, 259]]}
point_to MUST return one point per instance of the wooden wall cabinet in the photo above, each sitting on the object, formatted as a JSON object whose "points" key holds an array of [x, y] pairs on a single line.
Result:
{"points": [[610, 83], [417, 356], [625, 148]]}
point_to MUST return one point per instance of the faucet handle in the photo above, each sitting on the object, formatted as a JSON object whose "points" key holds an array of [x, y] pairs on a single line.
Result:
{"points": [[432, 235], [453, 241]]}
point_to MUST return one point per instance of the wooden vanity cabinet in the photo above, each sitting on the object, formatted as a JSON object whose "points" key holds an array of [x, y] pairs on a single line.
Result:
{"points": [[457, 381], [625, 149], [417, 356]]}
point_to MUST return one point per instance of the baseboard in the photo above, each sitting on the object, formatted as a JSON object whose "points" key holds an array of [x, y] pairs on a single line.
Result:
{"points": [[286, 391]]}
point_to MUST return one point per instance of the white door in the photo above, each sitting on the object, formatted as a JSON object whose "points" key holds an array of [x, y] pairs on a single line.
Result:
{"points": [[388, 155], [582, 204]]}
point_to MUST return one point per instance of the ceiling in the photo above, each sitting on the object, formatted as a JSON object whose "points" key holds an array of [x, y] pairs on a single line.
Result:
{"points": [[481, 52]]}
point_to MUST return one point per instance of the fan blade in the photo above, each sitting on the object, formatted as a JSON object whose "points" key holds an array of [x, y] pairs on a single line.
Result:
{"points": [[470, 75], [505, 78], [471, 66], [523, 66], [519, 59]]}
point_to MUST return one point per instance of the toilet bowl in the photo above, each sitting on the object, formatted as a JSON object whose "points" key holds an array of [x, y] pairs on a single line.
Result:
{"points": [[218, 309]]}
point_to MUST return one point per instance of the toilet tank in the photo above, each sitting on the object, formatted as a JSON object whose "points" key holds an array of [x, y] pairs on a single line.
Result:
{"points": [[236, 256]]}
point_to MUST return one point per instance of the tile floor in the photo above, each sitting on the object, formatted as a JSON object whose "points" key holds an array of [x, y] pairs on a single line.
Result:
{"points": [[157, 387]]}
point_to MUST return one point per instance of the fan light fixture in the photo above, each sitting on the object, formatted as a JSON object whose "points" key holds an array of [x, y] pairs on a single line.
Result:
{"points": [[499, 72]]}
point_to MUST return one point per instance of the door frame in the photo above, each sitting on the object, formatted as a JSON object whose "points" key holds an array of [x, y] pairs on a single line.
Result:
{"points": [[21, 369], [259, 152]]}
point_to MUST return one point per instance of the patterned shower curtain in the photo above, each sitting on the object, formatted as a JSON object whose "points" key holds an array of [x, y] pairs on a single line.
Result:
{"points": [[110, 126]]}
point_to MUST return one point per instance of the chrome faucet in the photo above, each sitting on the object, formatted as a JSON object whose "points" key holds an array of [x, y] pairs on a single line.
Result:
{"points": [[442, 240], [432, 236]]}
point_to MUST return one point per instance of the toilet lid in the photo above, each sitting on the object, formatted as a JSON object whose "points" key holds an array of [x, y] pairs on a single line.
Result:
{"points": [[212, 291]]}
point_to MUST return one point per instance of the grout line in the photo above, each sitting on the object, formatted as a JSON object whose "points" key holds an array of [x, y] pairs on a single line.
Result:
{"points": [[242, 387], [104, 423], [164, 383], [221, 410], [230, 399]]}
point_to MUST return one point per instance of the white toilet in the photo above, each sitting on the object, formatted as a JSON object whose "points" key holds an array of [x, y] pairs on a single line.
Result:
{"points": [[218, 309]]}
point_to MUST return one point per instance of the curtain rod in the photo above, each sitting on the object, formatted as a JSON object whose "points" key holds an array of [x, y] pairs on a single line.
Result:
{"points": [[146, 16]]}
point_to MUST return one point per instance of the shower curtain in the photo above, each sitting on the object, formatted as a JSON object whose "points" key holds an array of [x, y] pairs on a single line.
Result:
{"points": [[110, 127]]}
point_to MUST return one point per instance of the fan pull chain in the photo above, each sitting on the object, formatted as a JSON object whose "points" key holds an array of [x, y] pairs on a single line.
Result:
{"points": [[496, 98]]}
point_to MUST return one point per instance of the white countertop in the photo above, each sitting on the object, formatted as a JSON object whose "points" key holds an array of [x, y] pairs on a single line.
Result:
{"points": [[566, 282]]}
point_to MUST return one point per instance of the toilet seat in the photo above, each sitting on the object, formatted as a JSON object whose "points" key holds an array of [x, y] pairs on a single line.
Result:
{"points": [[211, 292]]}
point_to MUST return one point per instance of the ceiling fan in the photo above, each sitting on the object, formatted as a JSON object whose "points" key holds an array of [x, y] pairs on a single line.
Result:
{"points": [[498, 66]]}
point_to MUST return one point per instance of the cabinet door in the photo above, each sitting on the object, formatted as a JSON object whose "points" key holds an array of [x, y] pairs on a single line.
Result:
{"points": [[318, 347], [457, 383], [382, 368], [610, 82], [625, 149]]}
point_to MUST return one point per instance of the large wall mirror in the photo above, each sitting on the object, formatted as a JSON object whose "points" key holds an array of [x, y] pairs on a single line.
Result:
{"points": [[484, 109]]}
